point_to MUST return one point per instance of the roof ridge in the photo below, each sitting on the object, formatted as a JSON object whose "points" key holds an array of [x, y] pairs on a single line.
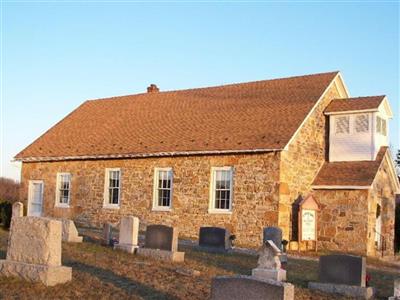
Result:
{"points": [[215, 86]]}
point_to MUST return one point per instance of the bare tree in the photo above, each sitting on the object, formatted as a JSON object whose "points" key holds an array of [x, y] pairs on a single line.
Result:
{"points": [[9, 190]]}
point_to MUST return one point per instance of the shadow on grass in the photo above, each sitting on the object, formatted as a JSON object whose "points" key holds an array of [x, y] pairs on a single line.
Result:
{"points": [[231, 262], [130, 286]]}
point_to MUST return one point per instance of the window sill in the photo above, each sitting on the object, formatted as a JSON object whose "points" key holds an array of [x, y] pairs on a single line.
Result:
{"points": [[62, 206], [111, 207], [220, 211], [161, 209]]}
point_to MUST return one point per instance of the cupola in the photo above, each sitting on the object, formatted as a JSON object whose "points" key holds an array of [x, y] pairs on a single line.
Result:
{"points": [[358, 127]]}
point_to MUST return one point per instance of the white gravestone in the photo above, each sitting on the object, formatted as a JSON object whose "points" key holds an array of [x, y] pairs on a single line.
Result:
{"points": [[128, 234], [269, 264], [396, 295], [34, 251], [17, 210], [69, 232]]}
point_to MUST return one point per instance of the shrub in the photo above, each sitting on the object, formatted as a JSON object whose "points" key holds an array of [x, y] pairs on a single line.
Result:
{"points": [[5, 213]]}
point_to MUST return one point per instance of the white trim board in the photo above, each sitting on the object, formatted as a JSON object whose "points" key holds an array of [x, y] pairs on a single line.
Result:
{"points": [[340, 187]]}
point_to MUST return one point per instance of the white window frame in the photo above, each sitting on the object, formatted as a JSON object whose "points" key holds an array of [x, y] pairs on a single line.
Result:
{"points": [[211, 207], [156, 207], [107, 203], [58, 186]]}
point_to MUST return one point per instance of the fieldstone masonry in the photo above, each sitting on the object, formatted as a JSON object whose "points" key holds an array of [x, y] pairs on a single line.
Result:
{"points": [[34, 251], [128, 234]]}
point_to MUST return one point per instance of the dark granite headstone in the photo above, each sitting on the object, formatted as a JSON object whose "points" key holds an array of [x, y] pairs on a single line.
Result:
{"points": [[342, 269], [161, 237], [274, 234], [246, 287], [214, 237]]}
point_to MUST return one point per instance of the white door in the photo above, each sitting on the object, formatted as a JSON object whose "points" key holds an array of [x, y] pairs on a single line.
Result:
{"points": [[35, 198]]}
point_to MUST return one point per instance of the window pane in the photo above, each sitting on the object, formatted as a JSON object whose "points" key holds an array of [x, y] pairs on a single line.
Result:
{"points": [[383, 127], [110, 195], [378, 124], [115, 196], [362, 123], [342, 124]]}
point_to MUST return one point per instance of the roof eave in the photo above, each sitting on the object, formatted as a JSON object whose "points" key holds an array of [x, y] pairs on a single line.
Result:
{"points": [[341, 187], [143, 155], [351, 111]]}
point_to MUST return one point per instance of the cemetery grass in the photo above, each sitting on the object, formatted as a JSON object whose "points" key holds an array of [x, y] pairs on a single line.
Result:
{"points": [[102, 273]]}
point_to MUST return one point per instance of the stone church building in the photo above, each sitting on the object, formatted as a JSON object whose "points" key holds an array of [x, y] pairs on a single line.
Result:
{"points": [[240, 156]]}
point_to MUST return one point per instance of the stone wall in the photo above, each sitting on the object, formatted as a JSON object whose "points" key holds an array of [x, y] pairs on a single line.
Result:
{"points": [[342, 220], [255, 197], [382, 194], [301, 163]]}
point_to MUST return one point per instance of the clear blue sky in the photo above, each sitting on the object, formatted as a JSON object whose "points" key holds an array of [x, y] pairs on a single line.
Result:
{"points": [[57, 55]]}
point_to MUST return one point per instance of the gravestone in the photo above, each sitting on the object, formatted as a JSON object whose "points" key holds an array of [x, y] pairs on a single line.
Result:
{"points": [[34, 251], [269, 264], [274, 234], [342, 269], [161, 242], [161, 237], [343, 274], [107, 234], [245, 287], [396, 295], [128, 234], [69, 232], [17, 210], [214, 238]]}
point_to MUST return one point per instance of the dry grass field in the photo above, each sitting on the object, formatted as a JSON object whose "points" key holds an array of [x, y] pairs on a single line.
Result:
{"points": [[101, 273]]}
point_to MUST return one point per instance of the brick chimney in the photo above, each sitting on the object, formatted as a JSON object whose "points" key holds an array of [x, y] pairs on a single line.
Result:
{"points": [[152, 88]]}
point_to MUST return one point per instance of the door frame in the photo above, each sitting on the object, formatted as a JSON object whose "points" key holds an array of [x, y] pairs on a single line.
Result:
{"points": [[30, 195]]}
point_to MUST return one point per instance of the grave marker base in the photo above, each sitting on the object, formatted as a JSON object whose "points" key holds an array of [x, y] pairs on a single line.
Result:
{"points": [[343, 289], [174, 256], [126, 247], [277, 275], [241, 287], [48, 275]]}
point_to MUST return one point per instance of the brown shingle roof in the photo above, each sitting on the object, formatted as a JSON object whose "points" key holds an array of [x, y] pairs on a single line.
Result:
{"points": [[238, 117], [352, 104], [349, 173]]}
